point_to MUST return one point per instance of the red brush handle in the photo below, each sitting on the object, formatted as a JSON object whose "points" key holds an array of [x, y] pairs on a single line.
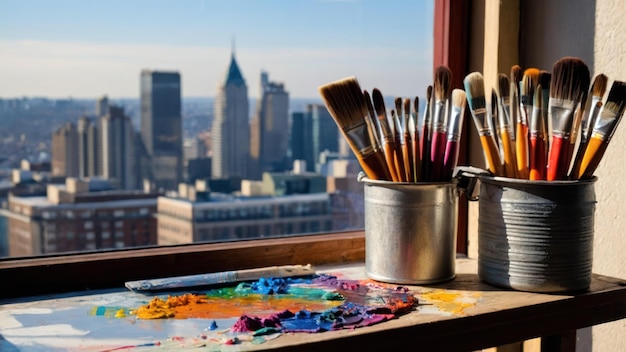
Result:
{"points": [[557, 154], [450, 159], [437, 154], [537, 159]]}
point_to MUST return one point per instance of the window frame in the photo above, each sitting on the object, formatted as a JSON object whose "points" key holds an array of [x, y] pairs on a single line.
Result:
{"points": [[99, 270]]}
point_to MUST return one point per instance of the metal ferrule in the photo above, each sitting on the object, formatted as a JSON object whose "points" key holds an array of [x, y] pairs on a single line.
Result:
{"points": [[399, 133], [439, 120], [456, 122], [359, 138], [386, 134], [480, 121], [504, 116], [514, 113], [561, 114], [586, 127], [606, 122], [536, 123], [525, 112]]}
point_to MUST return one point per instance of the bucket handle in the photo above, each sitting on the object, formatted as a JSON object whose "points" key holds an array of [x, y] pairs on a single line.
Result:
{"points": [[467, 176]]}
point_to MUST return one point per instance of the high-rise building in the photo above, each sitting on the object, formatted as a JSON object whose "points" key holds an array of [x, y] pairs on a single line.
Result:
{"points": [[118, 149], [230, 132], [269, 130], [88, 148], [65, 151], [313, 132], [161, 127]]}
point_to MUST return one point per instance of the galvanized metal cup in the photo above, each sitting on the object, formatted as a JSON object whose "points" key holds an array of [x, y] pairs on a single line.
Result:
{"points": [[536, 236], [410, 231]]}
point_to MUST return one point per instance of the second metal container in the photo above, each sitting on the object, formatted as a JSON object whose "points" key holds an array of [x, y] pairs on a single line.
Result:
{"points": [[536, 235], [410, 231]]}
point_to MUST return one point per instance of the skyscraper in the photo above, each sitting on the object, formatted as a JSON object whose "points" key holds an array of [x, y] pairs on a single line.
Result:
{"points": [[269, 128], [88, 148], [118, 150], [230, 132], [161, 127], [312, 132], [65, 151]]}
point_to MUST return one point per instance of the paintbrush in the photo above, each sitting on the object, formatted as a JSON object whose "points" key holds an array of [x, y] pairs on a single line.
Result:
{"points": [[398, 156], [570, 81], [604, 128], [475, 91], [414, 130], [426, 136], [516, 77], [441, 89], [219, 278], [346, 104], [387, 137], [455, 127], [506, 130], [545, 78], [375, 129], [408, 141], [526, 93], [537, 147], [494, 122], [598, 88]]}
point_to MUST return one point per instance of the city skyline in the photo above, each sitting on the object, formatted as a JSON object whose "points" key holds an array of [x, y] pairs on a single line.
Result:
{"points": [[81, 49]]}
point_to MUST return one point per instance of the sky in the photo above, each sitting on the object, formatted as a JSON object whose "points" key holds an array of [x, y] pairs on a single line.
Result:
{"points": [[86, 49]]}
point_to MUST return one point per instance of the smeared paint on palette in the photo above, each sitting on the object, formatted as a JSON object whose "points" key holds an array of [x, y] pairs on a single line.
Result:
{"points": [[226, 318]]}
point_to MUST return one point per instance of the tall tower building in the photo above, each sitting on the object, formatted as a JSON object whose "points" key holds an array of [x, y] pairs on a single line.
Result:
{"points": [[88, 148], [118, 149], [269, 128], [161, 127], [230, 132], [65, 151]]}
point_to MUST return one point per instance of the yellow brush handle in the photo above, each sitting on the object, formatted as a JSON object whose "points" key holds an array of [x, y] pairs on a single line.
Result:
{"points": [[510, 164], [521, 151], [389, 153], [491, 153], [591, 157]]}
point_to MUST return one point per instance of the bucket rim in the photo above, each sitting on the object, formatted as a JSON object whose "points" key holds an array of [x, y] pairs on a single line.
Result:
{"points": [[518, 181], [364, 179]]}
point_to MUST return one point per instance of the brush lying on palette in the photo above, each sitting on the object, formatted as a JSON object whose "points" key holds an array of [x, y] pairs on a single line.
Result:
{"points": [[539, 125], [391, 146]]}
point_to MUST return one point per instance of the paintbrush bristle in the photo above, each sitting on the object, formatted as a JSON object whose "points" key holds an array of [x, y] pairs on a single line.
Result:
{"points": [[443, 76], [503, 87], [416, 106], [344, 100], [398, 104], [537, 101], [544, 79], [407, 106], [379, 103], [528, 85], [570, 79], [516, 74], [616, 100], [475, 90], [459, 98], [598, 88], [429, 94], [368, 102]]}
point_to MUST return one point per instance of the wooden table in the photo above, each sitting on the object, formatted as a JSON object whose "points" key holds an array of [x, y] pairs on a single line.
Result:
{"points": [[496, 317]]}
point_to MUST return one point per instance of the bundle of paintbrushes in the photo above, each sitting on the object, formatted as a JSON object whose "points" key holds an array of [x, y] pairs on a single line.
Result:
{"points": [[546, 125], [391, 144]]}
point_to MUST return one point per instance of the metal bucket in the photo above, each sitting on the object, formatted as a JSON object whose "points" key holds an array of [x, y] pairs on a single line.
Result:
{"points": [[410, 231], [536, 236]]}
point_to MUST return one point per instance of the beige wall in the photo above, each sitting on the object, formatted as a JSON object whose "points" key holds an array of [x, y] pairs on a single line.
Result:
{"points": [[596, 32]]}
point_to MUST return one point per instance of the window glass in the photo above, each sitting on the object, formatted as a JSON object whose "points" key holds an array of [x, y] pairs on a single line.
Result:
{"points": [[160, 69]]}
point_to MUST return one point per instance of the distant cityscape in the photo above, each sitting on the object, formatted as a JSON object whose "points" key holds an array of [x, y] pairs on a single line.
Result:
{"points": [[87, 175]]}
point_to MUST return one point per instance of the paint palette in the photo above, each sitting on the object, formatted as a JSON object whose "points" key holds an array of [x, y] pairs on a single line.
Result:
{"points": [[247, 314]]}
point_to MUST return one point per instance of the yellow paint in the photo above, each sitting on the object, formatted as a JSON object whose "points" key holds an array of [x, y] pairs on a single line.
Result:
{"points": [[449, 301], [120, 313]]}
